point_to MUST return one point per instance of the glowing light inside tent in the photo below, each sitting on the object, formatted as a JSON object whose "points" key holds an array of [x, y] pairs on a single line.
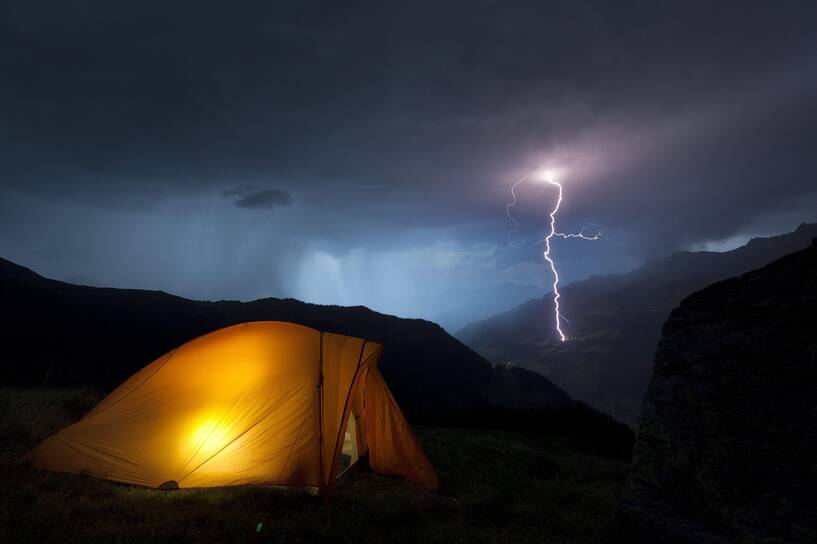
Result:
{"points": [[208, 437]]}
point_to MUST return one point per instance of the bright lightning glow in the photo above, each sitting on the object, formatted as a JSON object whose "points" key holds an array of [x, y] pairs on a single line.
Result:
{"points": [[547, 177]]}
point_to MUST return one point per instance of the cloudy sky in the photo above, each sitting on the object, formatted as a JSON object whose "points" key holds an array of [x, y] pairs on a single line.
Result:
{"points": [[364, 153]]}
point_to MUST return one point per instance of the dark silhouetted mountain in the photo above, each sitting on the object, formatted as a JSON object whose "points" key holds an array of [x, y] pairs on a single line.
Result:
{"points": [[727, 442], [56, 334], [615, 322]]}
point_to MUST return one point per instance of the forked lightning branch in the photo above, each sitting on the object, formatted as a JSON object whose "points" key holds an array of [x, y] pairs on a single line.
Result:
{"points": [[551, 234]]}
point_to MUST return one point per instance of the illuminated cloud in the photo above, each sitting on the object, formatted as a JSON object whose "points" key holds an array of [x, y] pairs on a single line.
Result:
{"points": [[149, 152]]}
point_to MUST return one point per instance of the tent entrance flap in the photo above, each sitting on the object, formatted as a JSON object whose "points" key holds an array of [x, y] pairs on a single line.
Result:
{"points": [[349, 455]]}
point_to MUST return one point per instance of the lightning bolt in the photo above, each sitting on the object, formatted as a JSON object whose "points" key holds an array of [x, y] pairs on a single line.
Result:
{"points": [[553, 233], [556, 294], [508, 210], [581, 233]]}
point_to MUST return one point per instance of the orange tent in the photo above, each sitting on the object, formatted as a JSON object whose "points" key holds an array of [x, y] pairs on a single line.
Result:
{"points": [[257, 403]]}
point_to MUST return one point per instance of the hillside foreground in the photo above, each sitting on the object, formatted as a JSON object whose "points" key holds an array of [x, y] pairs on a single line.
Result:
{"points": [[496, 487]]}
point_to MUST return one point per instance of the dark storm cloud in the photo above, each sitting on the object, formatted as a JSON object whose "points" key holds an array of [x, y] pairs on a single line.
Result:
{"points": [[405, 124], [249, 197]]}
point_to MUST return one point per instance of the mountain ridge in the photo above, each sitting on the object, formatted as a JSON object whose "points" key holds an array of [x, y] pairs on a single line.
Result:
{"points": [[615, 322], [57, 334]]}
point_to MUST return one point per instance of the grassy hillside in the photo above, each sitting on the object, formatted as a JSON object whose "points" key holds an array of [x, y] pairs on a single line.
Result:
{"points": [[496, 487]]}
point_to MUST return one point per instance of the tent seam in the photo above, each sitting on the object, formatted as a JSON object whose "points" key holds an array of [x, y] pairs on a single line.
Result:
{"points": [[132, 391], [294, 443], [225, 446]]}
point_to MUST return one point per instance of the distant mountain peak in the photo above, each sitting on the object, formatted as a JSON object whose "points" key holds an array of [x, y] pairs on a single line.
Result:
{"points": [[615, 321]]}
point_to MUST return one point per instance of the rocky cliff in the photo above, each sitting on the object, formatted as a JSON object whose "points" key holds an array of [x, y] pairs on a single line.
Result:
{"points": [[727, 445]]}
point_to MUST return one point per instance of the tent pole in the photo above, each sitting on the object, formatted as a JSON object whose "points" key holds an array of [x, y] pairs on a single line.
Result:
{"points": [[320, 414], [345, 415]]}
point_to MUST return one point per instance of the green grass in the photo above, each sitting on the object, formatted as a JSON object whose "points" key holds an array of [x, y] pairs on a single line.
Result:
{"points": [[496, 487]]}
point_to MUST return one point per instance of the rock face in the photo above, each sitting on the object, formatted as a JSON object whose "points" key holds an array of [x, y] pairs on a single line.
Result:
{"points": [[727, 446]]}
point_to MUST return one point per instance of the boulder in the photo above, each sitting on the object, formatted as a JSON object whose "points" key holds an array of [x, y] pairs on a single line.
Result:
{"points": [[727, 443]]}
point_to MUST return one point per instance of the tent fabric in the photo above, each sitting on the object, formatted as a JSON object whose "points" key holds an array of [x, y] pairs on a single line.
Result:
{"points": [[393, 448], [257, 403]]}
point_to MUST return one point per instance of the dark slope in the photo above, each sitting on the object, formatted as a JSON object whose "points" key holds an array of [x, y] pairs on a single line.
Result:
{"points": [[55, 334], [728, 437], [63, 333], [615, 322]]}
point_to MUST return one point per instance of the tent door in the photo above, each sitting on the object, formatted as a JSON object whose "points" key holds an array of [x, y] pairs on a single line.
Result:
{"points": [[349, 454]]}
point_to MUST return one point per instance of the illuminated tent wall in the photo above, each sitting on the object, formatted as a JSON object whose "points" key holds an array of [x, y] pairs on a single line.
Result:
{"points": [[257, 403]]}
